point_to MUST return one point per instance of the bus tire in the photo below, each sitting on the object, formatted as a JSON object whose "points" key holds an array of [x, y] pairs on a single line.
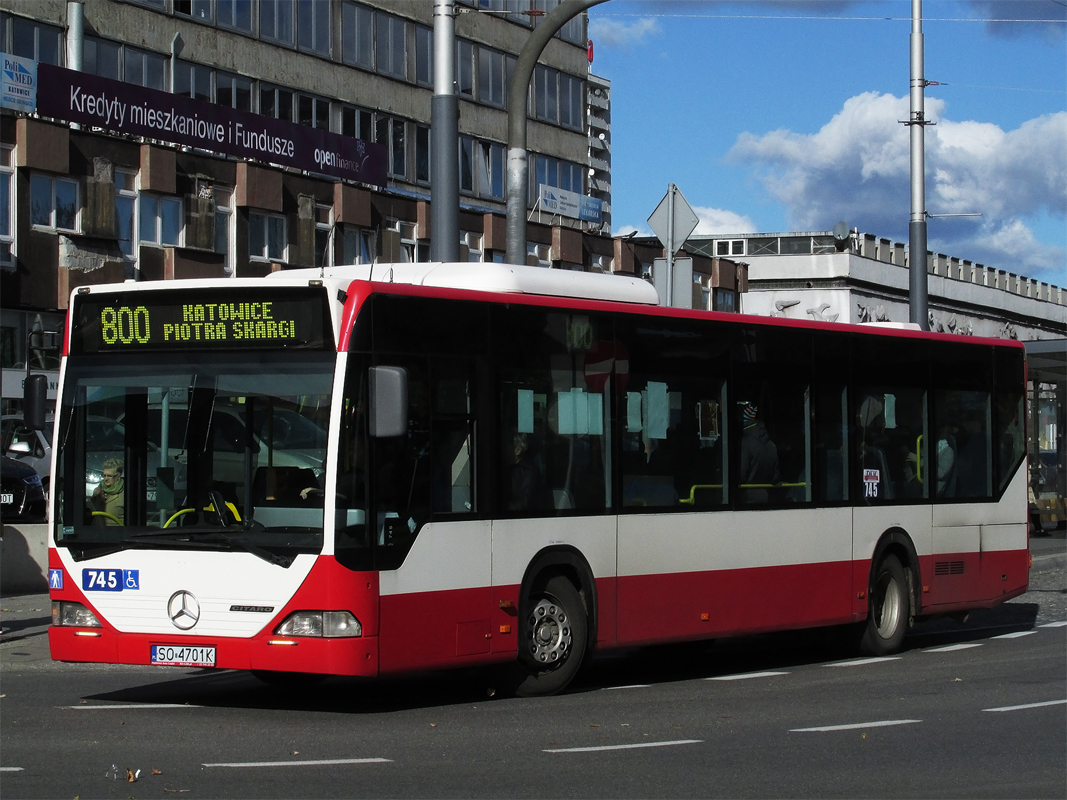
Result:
{"points": [[554, 634], [888, 609]]}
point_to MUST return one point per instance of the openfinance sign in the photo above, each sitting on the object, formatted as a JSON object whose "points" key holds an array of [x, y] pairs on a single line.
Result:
{"points": [[125, 108]]}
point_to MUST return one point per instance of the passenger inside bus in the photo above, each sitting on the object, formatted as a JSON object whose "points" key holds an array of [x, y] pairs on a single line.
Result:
{"points": [[109, 498], [759, 457]]}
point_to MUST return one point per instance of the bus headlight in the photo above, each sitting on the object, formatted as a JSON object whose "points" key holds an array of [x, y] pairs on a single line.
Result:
{"points": [[327, 624], [73, 615]]}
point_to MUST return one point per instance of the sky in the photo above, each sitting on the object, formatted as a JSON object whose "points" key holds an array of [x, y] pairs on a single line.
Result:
{"points": [[784, 115]]}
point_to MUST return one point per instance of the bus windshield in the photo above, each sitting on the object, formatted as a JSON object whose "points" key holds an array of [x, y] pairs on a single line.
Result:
{"points": [[214, 451]]}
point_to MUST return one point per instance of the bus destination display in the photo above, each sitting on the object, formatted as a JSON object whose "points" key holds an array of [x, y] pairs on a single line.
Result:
{"points": [[199, 320]]}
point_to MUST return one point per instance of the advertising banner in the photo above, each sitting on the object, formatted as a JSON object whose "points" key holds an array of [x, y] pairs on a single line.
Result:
{"points": [[18, 84], [568, 204], [126, 108]]}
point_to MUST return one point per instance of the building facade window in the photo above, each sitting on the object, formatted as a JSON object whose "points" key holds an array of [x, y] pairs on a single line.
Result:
{"points": [[465, 69], [33, 40], [422, 154], [323, 236], [224, 226], [557, 173], [313, 26], [481, 168], [423, 55], [102, 58], [53, 203], [391, 133], [313, 111], [7, 206], [390, 46], [200, 10], [276, 21], [558, 98], [267, 237], [276, 102], [358, 245], [125, 210], [494, 75], [473, 242], [193, 80], [143, 68], [160, 220], [357, 36], [233, 91], [235, 14]]}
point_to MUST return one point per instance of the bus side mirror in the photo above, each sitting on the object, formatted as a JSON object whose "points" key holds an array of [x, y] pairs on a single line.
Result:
{"points": [[388, 401], [34, 398]]}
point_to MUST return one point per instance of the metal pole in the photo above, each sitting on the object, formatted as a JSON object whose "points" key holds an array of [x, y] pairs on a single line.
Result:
{"points": [[177, 44], [444, 137], [671, 190], [918, 300], [518, 91]]}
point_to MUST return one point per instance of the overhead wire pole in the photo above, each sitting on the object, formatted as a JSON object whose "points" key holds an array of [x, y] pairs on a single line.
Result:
{"points": [[918, 298], [444, 136], [519, 90]]}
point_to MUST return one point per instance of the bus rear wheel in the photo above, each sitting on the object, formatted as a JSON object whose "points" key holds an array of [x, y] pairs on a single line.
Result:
{"points": [[889, 609], [554, 636]]}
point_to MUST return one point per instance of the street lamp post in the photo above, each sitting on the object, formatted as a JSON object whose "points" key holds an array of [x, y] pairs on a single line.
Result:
{"points": [[518, 165]]}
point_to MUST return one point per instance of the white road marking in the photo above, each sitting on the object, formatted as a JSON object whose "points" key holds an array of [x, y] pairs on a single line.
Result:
{"points": [[631, 686], [745, 676], [326, 762], [1062, 623], [11, 769], [1028, 705], [622, 746], [862, 662], [1016, 635], [885, 723], [127, 706], [949, 648]]}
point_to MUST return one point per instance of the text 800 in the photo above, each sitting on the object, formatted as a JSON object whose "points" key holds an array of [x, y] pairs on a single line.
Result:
{"points": [[125, 325]]}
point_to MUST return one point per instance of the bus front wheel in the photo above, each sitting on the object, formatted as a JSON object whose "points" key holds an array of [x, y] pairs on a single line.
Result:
{"points": [[554, 636], [889, 609]]}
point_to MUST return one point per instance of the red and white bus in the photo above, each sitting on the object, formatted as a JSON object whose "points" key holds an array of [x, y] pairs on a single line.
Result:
{"points": [[371, 470]]}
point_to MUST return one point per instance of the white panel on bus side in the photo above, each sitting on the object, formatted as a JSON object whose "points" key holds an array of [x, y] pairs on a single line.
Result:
{"points": [[870, 522], [956, 539], [445, 556], [1004, 537], [517, 541], [658, 544]]}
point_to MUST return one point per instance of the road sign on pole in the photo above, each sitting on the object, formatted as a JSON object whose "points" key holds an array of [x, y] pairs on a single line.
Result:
{"points": [[672, 222]]}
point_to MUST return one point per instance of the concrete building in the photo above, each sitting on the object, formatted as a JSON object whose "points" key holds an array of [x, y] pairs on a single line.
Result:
{"points": [[103, 199]]}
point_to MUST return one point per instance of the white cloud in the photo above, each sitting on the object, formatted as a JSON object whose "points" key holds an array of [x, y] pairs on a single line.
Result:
{"points": [[617, 33], [718, 220], [857, 168]]}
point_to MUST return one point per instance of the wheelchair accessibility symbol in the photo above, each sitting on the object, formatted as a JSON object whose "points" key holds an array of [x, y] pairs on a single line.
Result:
{"points": [[132, 578]]}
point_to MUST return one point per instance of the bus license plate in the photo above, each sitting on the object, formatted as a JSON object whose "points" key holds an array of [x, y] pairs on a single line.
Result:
{"points": [[7, 498], [176, 655]]}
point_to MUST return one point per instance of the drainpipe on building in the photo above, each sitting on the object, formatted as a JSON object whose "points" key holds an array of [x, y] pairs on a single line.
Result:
{"points": [[177, 44], [75, 40], [444, 137]]}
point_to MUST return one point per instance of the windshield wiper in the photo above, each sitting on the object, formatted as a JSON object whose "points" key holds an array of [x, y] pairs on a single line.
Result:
{"points": [[187, 535]]}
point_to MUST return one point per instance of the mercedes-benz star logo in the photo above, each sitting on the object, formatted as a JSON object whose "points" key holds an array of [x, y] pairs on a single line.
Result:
{"points": [[183, 610]]}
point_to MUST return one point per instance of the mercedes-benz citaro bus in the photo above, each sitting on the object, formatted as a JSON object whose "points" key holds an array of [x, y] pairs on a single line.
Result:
{"points": [[372, 470]]}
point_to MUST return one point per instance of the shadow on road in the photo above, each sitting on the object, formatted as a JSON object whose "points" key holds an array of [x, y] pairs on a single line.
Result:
{"points": [[625, 667]]}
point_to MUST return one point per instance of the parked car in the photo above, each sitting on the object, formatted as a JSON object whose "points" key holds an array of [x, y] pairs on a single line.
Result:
{"points": [[31, 447], [21, 493]]}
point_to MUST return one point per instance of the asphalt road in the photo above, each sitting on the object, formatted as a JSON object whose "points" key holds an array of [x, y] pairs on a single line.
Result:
{"points": [[967, 710]]}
